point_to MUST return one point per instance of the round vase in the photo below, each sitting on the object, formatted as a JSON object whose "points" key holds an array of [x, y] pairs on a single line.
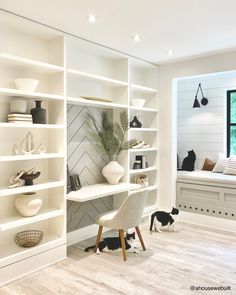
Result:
{"points": [[135, 123], [113, 172], [28, 204]]}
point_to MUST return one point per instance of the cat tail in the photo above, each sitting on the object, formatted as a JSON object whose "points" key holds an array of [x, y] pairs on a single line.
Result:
{"points": [[152, 220], [89, 248]]}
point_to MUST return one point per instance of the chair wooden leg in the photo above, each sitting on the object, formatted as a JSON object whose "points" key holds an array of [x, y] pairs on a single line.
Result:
{"points": [[98, 238], [140, 237], [121, 233]]}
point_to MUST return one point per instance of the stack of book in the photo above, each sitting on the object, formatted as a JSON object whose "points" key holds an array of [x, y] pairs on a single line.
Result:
{"points": [[20, 118]]}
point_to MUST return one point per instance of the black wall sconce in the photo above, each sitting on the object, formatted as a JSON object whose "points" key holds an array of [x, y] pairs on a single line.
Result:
{"points": [[204, 100]]}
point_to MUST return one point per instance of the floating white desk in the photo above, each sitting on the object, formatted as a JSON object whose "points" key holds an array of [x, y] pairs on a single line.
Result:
{"points": [[91, 192]]}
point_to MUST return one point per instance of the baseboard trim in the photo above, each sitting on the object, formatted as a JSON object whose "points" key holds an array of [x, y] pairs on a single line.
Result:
{"points": [[208, 221], [82, 234]]}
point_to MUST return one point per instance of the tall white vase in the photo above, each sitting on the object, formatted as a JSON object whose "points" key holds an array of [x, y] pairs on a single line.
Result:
{"points": [[113, 172], [28, 204]]}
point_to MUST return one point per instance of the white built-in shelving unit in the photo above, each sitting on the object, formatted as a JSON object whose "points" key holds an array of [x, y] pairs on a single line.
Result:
{"points": [[67, 69]]}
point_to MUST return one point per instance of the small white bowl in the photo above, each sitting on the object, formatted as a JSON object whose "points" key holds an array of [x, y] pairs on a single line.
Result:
{"points": [[138, 102], [27, 85]]}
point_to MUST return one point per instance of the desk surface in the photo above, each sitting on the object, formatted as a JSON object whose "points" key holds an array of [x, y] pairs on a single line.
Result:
{"points": [[91, 192]]}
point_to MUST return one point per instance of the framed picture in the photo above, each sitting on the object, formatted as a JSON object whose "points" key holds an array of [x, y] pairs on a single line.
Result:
{"points": [[75, 182], [69, 188]]}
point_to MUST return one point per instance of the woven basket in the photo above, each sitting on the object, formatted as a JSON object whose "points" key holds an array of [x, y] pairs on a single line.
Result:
{"points": [[28, 238]]}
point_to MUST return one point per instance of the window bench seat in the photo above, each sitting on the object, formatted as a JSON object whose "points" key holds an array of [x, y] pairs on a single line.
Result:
{"points": [[207, 193]]}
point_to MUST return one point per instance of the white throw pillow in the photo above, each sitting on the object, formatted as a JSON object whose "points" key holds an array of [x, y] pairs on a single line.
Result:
{"points": [[220, 164], [230, 167]]}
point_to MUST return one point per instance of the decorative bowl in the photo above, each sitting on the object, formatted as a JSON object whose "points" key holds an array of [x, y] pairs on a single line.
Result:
{"points": [[27, 85], [138, 102], [28, 178], [28, 238]]}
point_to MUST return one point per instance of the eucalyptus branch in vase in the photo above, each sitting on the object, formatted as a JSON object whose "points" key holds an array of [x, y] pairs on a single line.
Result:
{"points": [[110, 140]]}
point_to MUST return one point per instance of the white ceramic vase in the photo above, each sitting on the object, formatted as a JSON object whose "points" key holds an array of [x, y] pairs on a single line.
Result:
{"points": [[28, 204], [113, 172]]}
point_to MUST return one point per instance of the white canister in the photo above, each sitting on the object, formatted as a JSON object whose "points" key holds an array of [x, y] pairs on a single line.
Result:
{"points": [[28, 204], [18, 106]]}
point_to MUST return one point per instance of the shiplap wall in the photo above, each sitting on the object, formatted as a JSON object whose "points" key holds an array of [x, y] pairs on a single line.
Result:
{"points": [[203, 129]]}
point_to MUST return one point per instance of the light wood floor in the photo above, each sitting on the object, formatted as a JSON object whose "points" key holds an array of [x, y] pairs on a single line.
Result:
{"points": [[173, 262]]}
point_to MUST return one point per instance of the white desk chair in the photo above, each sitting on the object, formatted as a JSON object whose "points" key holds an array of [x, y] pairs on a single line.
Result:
{"points": [[127, 216]]}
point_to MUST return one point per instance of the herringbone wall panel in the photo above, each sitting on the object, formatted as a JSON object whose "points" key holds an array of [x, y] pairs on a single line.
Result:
{"points": [[83, 159]]}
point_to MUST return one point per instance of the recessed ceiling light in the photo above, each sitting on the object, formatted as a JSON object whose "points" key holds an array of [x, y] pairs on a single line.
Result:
{"points": [[92, 18], [136, 38], [170, 52]]}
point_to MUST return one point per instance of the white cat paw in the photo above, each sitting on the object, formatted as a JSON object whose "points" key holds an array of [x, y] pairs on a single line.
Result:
{"points": [[98, 251], [159, 231]]}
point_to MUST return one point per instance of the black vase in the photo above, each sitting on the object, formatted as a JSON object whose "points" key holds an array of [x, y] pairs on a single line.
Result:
{"points": [[135, 123], [38, 114]]}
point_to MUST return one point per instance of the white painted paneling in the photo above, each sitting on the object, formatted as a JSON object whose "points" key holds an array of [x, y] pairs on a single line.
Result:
{"points": [[203, 129]]}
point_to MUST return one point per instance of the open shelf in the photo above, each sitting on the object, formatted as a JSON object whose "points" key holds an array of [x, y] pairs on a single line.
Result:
{"points": [[143, 89], [149, 169], [33, 95], [143, 109], [18, 220], [31, 157], [144, 129], [36, 187], [11, 252], [30, 63], [109, 81], [100, 190], [99, 104], [31, 126], [143, 150]]}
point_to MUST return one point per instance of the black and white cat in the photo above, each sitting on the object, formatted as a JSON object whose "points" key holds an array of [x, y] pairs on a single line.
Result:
{"points": [[114, 244], [161, 218]]}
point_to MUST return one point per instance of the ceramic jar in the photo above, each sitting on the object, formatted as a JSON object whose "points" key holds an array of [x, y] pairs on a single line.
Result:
{"points": [[135, 123], [28, 204], [113, 172], [18, 106]]}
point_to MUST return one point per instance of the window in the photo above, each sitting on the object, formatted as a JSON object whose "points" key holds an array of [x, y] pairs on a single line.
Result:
{"points": [[231, 122]]}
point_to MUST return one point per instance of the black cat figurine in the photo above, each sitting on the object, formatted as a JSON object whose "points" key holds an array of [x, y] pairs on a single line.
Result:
{"points": [[189, 161], [160, 219]]}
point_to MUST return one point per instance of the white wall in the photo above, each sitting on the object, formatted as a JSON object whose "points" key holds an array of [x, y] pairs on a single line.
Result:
{"points": [[168, 142], [203, 129]]}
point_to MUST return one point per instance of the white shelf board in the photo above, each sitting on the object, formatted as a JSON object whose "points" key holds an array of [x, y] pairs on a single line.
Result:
{"points": [[152, 187], [29, 188], [149, 169], [42, 67], [106, 105], [100, 190], [31, 157], [10, 253], [31, 126], [143, 109], [143, 150], [18, 220], [34, 95], [143, 129], [143, 89], [90, 76]]}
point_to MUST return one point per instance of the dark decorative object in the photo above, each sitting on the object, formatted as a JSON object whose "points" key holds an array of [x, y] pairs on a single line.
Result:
{"points": [[137, 165], [75, 182], [69, 188], [204, 100], [38, 114], [28, 178], [135, 123], [178, 161], [141, 158], [28, 238], [189, 161]]}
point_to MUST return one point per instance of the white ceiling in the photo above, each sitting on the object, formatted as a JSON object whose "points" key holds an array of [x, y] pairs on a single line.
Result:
{"points": [[188, 27]]}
